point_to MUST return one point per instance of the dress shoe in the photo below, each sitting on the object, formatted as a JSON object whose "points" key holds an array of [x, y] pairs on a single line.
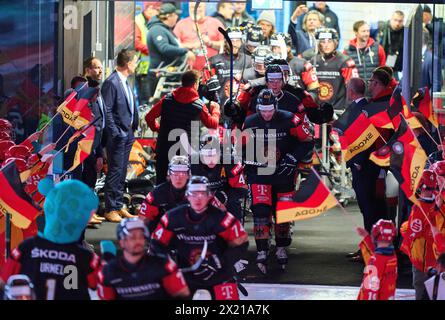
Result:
{"points": [[354, 254], [357, 259], [93, 220], [113, 216], [97, 217], [125, 214]]}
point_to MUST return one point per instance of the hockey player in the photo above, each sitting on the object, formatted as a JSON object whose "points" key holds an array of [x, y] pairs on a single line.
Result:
{"points": [[259, 67], [187, 227], [420, 237], [293, 141], [167, 195], [55, 258], [220, 64], [137, 274], [380, 274], [333, 69], [254, 37], [226, 181]]}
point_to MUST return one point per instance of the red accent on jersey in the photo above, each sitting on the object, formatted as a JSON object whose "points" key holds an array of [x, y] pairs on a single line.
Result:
{"points": [[233, 232], [228, 220], [10, 268], [174, 282], [261, 194], [171, 266], [162, 234], [226, 291]]}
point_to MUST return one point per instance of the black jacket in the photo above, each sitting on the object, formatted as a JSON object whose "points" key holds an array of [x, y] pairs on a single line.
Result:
{"points": [[162, 44]]}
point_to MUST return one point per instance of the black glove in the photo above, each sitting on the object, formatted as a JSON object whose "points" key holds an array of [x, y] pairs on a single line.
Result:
{"points": [[322, 114], [208, 268], [287, 165], [231, 108], [221, 196]]}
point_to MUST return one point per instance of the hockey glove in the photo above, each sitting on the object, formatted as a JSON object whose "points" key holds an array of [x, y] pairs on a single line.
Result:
{"points": [[208, 268], [221, 196], [287, 165], [240, 265]]}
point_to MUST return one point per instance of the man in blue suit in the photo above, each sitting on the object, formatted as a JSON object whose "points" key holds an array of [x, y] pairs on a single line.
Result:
{"points": [[121, 121]]}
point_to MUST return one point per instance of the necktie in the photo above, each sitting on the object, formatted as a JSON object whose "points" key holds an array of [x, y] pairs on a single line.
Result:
{"points": [[130, 99]]}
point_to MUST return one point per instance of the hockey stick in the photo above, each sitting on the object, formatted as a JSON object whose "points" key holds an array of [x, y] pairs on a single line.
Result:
{"points": [[203, 47], [198, 263], [229, 42]]}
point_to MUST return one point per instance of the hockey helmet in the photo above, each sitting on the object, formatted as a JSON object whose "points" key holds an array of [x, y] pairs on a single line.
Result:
{"points": [[439, 168], [266, 101], [18, 151], [5, 125], [197, 184], [428, 181], [19, 287], [326, 34], [383, 230], [20, 163], [4, 147], [179, 164], [277, 41], [274, 71], [5, 136], [124, 227], [259, 55], [254, 36], [234, 33]]}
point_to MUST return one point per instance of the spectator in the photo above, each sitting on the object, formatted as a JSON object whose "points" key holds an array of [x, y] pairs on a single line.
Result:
{"points": [[151, 9], [224, 13], [121, 121], [177, 111], [266, 21], [305, 39], [186, 32], [366, 53], [427, 65], [392, 42], [240, 15], [331, 19], [162, 43], [92, 166]]}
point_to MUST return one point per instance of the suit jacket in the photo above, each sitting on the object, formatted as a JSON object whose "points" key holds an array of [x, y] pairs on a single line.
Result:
{"points": [[119, 119], [98, 108]]}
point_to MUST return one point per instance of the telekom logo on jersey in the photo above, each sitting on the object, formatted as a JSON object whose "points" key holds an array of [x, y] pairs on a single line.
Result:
{"points": [[262, 153]]}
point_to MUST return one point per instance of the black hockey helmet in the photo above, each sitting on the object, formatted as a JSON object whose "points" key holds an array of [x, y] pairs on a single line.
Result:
{"points": [[274, 71], [326, 34], [234, 33], [284, 65], [266, 101], [254, 36], [179, 163], [196, 184], [126, 225]]}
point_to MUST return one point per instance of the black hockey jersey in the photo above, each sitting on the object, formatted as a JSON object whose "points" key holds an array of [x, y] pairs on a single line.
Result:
{"points": [[58, 271]]}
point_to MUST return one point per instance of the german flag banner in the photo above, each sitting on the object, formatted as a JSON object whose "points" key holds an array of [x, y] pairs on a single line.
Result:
{"points": [[311, 200], [407, 159], [397, 106], [84, 147], [378, 114], [74, 113], [79, 133], [381, 156], [424, 104], [356, 132], [13, 198]]}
